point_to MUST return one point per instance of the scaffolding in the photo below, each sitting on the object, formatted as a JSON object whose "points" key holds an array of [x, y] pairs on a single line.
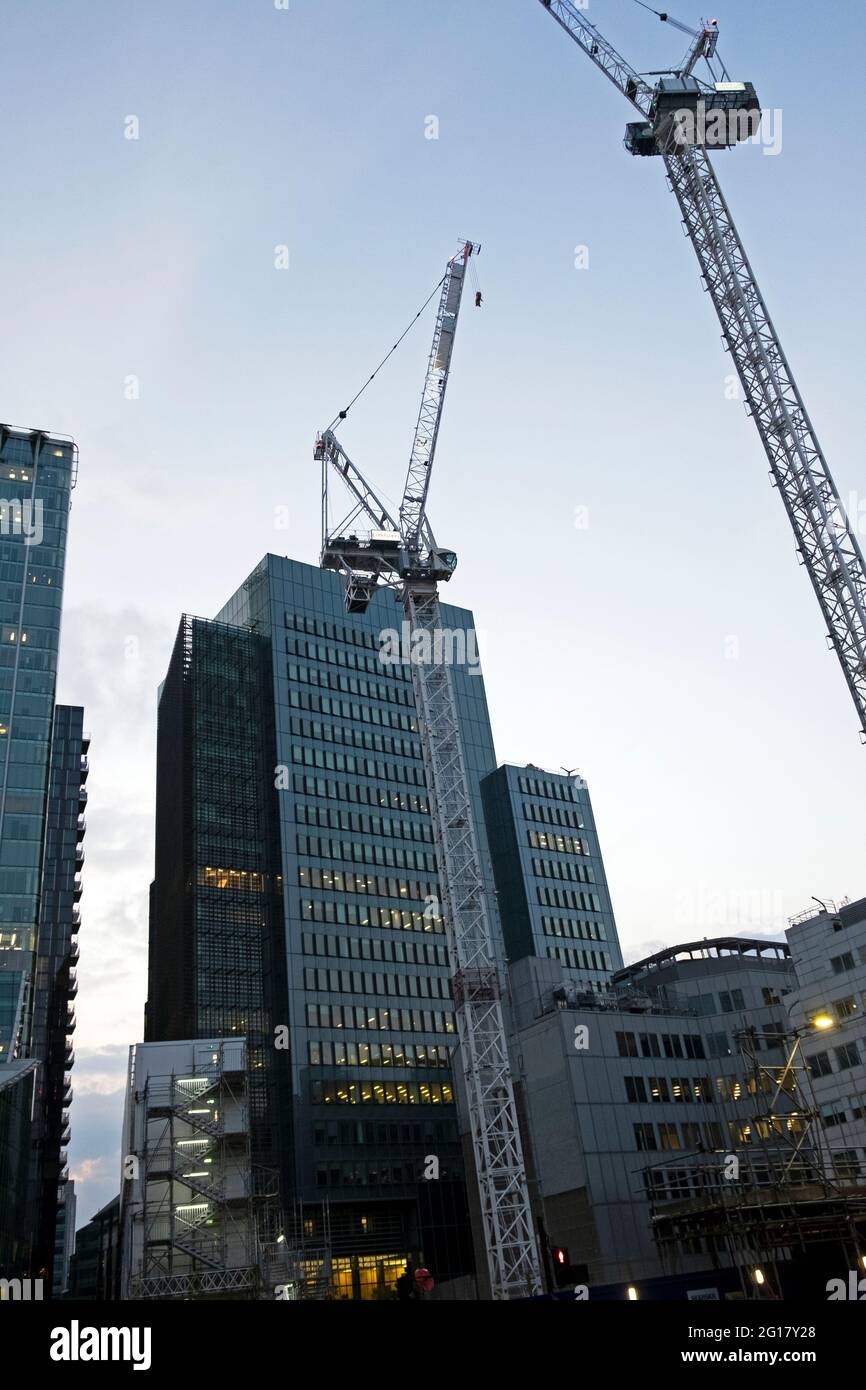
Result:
{"points": [[777, 1190], [198, 1206]]}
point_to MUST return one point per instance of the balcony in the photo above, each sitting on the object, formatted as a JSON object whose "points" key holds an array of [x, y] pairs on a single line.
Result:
{"points": [[82, 825], [69, 1054], [82, 800], [76, 919], [72, 958], [68, 1092], [77, 887], [79, 855], [72, 986], [85, 766], [71, 1020]]}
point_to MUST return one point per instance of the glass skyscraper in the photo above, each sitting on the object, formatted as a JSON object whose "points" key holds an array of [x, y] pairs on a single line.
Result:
{"points": [[296, 901], [37, 474]]}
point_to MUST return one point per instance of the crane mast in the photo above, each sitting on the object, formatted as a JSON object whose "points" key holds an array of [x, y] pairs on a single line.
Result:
{"points": [[405, 556], [826, 543]]}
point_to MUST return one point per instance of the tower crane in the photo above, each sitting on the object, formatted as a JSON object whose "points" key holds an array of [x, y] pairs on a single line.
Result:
{"points": [[402, 553], [682, 118]]}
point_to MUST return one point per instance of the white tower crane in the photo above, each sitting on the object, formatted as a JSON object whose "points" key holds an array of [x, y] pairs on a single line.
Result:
{"points": [[683, 117], [403, 554]]}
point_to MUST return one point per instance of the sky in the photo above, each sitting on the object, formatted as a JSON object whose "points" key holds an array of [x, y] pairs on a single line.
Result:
{"points": [[218, 216]]}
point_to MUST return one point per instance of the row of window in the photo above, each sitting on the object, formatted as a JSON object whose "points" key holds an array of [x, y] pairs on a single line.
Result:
{"points": [[670, 1137], [576, 959], [394, 827], [843, 1111], [840, 964], [559, 844], [842, 1009], [377, 983], [360, 794], [350, 685], [358, 915], [356, 738], [324, 1053], [660, 1045], [353, 852], [554, 791], [362, 767], [553, 815], [354, 948], [568, 897], [351, 709], [336, 656], [643, 1090], [555, 868], [846, 1055], [381, 1093], [366, 1017], [574, 927], [384, 1134], [374, 885], [378, 1174], [336, 632]]}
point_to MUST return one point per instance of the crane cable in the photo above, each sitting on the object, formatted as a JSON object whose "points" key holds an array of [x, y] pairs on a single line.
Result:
{"points": [[343, 413], [667, 18]]}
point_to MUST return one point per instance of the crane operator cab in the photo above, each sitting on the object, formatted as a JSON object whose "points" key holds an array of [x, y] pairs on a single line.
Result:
{"points": [[686, 112]]}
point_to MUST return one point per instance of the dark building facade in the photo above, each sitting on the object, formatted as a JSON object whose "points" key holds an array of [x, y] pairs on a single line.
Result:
{"points": [[94, 1269], [550, 879], [56, 979], [297, 887]]}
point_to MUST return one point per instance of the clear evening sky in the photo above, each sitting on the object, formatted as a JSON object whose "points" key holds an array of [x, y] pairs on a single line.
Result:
{"points": [[667, 644]]}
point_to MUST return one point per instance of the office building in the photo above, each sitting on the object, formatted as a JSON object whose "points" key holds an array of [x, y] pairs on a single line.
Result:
{"points": [[550, 880], [94, 1269], [37, 474], [634, 1099], [828, 947], [296, 899], [56, 978]]}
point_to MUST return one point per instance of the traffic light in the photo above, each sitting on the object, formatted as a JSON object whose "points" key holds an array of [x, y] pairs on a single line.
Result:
{"points": [[561, 1265]]}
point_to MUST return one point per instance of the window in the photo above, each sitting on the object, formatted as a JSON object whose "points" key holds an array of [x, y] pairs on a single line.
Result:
{"points": [[833, 1113], [842, 963], [669, 1137], [846, 1008], [819, 1064], [649, 1045], [847, 1056], [846, 1165], [717, 1045], [645, 1138], [658, 1086], [635, 1089], [626, 1044], [732, 1001], [672, 1044]]}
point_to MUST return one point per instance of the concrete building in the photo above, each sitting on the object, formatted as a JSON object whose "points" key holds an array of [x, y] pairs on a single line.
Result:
{"points": [[64, 1239], [629, 1096], [828, 949], [552, 889]]}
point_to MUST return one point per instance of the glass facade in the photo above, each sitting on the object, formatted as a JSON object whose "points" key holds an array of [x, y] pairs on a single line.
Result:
{"points": [[37, 474], [56, 980], [550, 879], [360, 978]]}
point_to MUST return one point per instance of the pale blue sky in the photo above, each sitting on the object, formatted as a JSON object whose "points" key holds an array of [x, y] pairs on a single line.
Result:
{"points": [[726, 791]]}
